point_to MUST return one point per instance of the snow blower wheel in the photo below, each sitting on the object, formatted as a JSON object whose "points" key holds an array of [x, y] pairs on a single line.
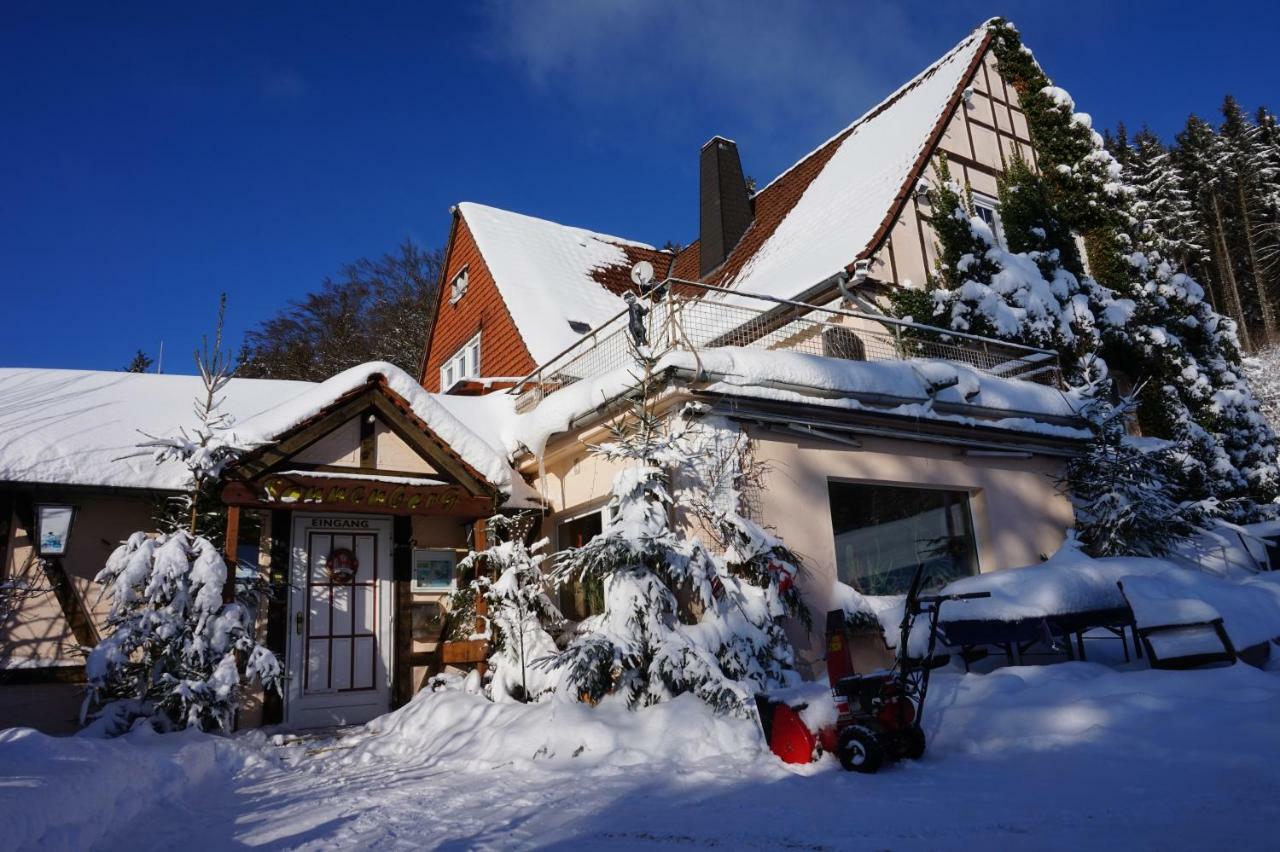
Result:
{"points": [[860, 750], [913, 743]]}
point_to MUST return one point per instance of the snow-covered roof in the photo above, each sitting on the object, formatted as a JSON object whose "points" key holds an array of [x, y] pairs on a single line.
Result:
{"points": [[82, 427], [810, 222], [470, 426], [844, 205], [922, 389], [550, 275]]}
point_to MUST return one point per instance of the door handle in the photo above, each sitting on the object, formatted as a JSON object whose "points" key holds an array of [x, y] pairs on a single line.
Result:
{"points": [[297, 624]]}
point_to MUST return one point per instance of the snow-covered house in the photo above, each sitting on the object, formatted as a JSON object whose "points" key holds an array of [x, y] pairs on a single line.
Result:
{"points": [[773, 320], [367, 463], [885, 444]]}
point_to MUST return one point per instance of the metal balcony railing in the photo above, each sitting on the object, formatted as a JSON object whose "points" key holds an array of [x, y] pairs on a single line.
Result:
{"points": [[693, 316]]}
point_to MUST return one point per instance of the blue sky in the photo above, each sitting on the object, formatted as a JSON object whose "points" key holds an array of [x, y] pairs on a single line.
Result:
{"points": [[153, 156]]}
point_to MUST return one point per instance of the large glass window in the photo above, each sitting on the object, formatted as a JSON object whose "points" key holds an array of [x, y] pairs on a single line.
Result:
{"points": [[884, 531], [579, 599]]}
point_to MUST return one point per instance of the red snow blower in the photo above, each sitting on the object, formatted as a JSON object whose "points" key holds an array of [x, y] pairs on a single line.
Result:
{"points": [[880, 712]]}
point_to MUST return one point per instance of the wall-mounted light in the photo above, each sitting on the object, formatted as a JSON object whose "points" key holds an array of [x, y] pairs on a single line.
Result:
{"points": [[922, 191], [53, 529], [861, 270]]}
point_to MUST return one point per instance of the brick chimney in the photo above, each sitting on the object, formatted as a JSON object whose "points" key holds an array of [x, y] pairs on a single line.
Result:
{"points": [[724, 207]]}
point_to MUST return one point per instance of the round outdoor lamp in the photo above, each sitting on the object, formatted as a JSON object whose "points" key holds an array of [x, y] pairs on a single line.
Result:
{"points": [[53, 529]]}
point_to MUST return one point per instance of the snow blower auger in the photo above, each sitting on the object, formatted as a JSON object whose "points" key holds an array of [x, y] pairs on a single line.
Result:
{"points": [[880, 713]]}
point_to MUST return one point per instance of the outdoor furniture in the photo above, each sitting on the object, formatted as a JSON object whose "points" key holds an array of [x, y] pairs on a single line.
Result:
{"points": [[1019, 637], [1178, 633]]}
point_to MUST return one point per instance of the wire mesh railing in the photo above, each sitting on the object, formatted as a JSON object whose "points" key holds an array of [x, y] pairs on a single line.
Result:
{"points": [[696, 317]]}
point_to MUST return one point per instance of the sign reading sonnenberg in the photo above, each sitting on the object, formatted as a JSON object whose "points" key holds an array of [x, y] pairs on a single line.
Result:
{"points": [[343, 494]]}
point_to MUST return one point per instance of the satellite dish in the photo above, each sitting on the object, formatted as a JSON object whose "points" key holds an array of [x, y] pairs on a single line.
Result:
{"points": [[642, 273]]}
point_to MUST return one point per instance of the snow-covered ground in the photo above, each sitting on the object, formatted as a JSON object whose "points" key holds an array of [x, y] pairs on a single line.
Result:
{"points": [[1070, 756]]}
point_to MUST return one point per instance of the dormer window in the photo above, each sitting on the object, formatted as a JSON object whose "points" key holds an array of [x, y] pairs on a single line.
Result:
{"points": [[463, 364], [458, 286]]}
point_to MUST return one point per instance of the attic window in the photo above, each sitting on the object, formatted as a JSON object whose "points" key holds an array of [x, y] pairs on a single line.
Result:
{"points": [[463, 364], [988, 210], [458, 286]]}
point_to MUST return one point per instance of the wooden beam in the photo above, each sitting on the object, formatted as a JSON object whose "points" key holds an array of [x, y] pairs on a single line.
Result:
{"points": [[229, 553], [479, 541], [402, 686], [368, 444], [278, 606]]}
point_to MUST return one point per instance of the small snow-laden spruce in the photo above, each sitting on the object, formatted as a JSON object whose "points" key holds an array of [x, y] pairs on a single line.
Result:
{"points": [[1130, 495], [715, 487], [520, 613], [204, 451], [675, 618], [173, 654]]}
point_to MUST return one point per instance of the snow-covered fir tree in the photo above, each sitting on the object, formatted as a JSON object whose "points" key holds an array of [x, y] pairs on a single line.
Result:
{"points": [[1164, 217], [1032, 292], [1130, 494], [675, 619], [176, 654], [204, 450], [1083, 181], [713, 488], [509, 576], [1173, 337]]}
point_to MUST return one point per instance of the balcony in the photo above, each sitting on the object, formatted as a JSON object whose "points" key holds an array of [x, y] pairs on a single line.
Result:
{"points": [[688, 315]]}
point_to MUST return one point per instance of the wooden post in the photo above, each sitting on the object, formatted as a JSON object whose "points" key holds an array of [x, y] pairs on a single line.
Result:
{"points": [[478, 543], [229, 553]]}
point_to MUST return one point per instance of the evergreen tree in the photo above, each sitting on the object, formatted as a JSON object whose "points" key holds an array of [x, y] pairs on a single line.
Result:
{"points": [[1243, 164], [204, 451], [520, 612], [1267, 202], [175, 653], [1170, 336], [1198, 162], [1128, 496], [1029, 293], [1164, 217], [141, 363], [1082, 179], [675, 619]]}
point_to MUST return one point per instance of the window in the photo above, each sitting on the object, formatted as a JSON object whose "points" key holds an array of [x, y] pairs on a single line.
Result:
{"points": [[883, 532], [458, 286], [987, 209], [463, 364], [580, 599]]}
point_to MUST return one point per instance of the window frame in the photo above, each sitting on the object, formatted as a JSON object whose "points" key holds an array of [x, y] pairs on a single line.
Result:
{"points": [[986, 202], [455, 292], [568, 517], [969, 496], [469, 353]]}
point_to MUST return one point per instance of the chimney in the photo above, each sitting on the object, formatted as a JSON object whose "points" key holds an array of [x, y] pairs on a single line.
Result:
{"points": [[724, 208]]}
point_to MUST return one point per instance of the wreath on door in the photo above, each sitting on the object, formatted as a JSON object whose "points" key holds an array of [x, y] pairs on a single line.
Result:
{"points": [[342, 565]]}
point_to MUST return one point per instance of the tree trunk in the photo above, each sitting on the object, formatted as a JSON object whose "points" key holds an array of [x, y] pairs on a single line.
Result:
{"points": [[1227, 275], [1264, 301]]}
